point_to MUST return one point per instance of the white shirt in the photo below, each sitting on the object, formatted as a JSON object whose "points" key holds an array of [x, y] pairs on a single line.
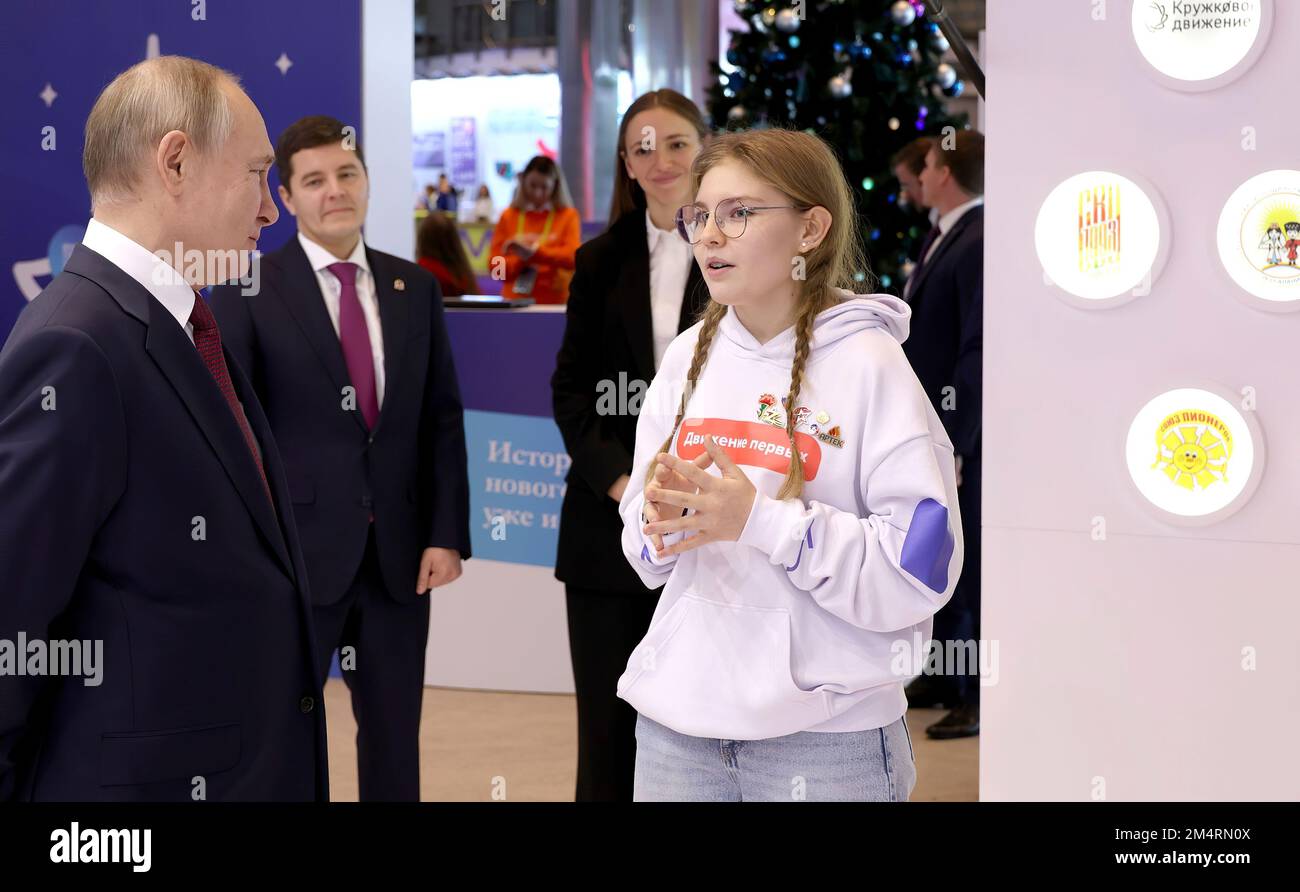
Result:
{"points": [[330, 289], [670, 266], [160, 279]]}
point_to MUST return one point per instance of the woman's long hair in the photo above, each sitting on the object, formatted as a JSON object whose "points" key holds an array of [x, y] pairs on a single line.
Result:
{"points": [[806, 170], [439, 239]]}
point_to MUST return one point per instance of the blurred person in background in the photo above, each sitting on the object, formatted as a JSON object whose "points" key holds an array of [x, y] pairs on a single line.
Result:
{"points": [[535, 240], [946, 348], [482, 211], [447, 195], [438, 249]]}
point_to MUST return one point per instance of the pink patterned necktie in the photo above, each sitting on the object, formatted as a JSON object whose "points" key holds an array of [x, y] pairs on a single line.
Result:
{"points": [[355, 338]]}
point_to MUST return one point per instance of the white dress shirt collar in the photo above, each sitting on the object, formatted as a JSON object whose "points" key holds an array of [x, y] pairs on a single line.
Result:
{"points": [[948, 220], [160, 279], [670, 268], [319, 257], [654, 234]]}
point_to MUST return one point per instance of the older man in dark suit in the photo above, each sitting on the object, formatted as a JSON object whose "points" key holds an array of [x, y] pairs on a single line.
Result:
{"points": [[145, 503]]}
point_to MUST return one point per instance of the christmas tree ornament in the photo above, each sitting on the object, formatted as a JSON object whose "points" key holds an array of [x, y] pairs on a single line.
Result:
{"points": [[903, 13], [946, 75], [840, 86], [787, 21]]}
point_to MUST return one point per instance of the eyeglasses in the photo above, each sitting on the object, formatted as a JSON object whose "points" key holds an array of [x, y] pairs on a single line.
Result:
{"points": [[731, 215]]}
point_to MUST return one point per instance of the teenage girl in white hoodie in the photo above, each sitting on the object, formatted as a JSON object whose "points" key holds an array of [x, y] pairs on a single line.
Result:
{"points": [[797, 492]]}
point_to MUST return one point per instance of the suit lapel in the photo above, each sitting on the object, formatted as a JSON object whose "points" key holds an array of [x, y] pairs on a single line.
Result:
{"points": [[180, 363], [304, 301], [174, 354], [945, 244], [394, 320], [634, 287], [275, 476]]}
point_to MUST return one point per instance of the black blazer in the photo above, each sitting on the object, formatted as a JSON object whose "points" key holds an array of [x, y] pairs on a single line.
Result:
{"points": [[410, 471], [134, 515], [946, 342], [608, 333]]}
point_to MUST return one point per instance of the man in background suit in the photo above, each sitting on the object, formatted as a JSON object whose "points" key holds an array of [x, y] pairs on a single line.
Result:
{"points": [[348, 353], [946, 348], [145, 504]]}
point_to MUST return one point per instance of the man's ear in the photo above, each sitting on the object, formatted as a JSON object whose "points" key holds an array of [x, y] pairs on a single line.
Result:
{"points": [[816, 224], [287, 200], [173, 162]]}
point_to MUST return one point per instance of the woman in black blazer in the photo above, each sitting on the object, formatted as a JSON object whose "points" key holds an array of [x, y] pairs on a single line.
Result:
{"points": [[634, 288]]}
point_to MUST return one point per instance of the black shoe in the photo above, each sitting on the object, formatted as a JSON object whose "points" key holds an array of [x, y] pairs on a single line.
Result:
{"points": [[964, 721], [928, 692]]}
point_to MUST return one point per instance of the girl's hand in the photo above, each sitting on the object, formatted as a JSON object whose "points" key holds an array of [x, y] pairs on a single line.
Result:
{"points": [[667, 479], [721, 505]]}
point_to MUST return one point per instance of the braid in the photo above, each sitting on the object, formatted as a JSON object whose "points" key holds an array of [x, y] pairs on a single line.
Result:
{"points": [[712, 317], [793, 483]]}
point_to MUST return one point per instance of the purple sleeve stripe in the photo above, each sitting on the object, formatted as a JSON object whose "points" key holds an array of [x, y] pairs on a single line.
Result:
{"points": [[799, 557], [928, 546]]}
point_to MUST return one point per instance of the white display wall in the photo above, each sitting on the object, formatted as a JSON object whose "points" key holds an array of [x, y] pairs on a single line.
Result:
{"points": [[1141, 491]]}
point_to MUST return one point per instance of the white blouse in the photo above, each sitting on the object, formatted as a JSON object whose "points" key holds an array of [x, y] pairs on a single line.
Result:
{"points": [[670, 266]]}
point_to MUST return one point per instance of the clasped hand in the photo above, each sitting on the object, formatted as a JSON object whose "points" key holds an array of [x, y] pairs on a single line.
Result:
{"points": [[720, 506]]}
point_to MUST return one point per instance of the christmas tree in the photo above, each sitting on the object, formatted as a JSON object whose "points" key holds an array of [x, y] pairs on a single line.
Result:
{"points": [[865, 75]]}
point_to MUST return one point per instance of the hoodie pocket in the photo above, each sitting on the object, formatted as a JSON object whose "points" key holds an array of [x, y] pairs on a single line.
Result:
{"points": [[710, 669]]}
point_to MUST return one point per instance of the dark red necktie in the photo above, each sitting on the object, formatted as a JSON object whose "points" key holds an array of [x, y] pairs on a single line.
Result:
{"points": [[354, 336], [207, 339]]}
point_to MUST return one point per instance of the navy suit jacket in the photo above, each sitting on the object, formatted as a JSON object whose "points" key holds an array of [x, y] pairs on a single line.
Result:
{"points": [[410, 471], [946, 341], [134, 515]]}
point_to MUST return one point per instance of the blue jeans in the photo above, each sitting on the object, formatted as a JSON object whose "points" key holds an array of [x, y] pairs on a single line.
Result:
{"points": [[854, 766]]}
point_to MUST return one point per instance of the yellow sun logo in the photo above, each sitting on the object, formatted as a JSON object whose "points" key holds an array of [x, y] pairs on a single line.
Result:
{"points": [[1279, 213], [1193, 448]]}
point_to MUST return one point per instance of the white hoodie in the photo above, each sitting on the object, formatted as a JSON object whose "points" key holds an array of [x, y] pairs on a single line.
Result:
{"points": [[815, 619]]}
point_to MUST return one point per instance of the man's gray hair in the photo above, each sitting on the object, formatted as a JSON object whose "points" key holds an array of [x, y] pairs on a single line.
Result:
{"points": [[140, 106]]}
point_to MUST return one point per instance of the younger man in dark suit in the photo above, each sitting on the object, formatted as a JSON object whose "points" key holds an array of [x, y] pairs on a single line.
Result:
{"points": [[348, 352]]}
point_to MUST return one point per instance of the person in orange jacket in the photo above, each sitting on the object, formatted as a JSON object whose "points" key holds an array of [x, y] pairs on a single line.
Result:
{"points": [[537, 236]]}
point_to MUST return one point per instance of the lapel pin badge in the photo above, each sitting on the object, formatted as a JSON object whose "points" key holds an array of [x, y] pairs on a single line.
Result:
{"points": [[399, 285]]}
